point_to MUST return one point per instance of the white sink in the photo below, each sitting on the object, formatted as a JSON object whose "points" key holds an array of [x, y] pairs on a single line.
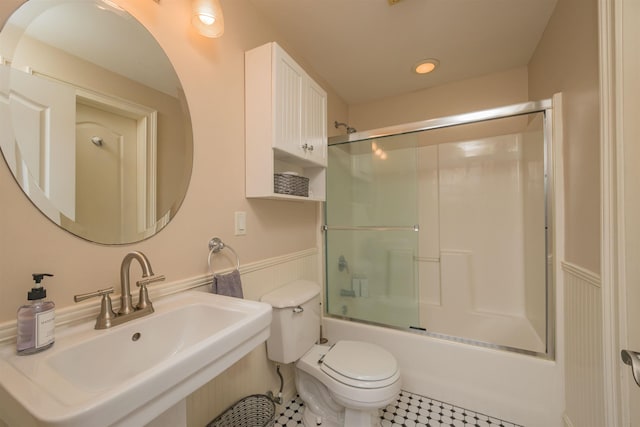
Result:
{"points": [[131, 373]]}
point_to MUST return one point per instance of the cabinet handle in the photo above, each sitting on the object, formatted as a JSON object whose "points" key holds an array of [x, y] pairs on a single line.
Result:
{"points": [[310, 147]]}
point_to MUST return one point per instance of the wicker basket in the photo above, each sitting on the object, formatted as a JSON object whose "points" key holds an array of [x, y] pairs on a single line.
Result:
{"points": [[257, 410], [295, 185]]}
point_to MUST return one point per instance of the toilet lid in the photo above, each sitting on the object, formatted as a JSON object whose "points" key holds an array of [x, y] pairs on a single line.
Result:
{"points": [[361, 364]]}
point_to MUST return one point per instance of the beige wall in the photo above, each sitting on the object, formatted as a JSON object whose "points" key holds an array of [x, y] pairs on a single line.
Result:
{"points": [[212, 72], [566, 60], [488, 91]]}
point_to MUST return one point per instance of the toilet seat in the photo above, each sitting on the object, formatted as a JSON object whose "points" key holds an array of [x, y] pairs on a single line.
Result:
{"points": [[360, 395], [360, 364]]}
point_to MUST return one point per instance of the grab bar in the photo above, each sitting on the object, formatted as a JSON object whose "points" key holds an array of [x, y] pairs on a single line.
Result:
{"points": [[414, 227]]}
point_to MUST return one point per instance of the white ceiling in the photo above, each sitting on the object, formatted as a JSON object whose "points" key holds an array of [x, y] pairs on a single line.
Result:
{"points": [[365, 49]]}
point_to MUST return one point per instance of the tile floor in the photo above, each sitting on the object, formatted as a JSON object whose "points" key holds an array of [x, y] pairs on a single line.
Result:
{"points": [[410, 410]]}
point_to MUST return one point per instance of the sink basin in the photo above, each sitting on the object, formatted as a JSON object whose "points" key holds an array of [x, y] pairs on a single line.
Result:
{"points": [[131, 373]]}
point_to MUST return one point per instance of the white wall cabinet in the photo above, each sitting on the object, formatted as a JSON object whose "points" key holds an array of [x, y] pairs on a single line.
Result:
{"points": [[285, 124]]}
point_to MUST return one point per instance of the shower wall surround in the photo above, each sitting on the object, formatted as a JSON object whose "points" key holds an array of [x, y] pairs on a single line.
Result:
{"points": [[475, 269]]}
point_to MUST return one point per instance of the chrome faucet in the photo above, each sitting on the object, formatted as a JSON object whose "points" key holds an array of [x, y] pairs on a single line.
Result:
{"points": [[127, 311]]}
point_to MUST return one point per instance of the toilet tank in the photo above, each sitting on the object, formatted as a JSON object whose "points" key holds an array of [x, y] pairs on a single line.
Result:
{"points": [[295, 324]]}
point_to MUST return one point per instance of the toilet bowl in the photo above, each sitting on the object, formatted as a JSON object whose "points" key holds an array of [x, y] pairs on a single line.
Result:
{"points": [[344, 384], [359, 377]]}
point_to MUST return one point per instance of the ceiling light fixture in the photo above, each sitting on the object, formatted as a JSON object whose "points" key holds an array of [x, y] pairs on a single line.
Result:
{"points": [[207, 18], [425, 66]]}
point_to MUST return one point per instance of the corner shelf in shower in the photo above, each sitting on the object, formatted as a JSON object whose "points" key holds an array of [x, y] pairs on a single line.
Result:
{"points": [[285, 124]]}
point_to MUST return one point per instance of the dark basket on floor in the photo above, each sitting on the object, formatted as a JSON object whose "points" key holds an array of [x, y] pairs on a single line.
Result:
{"points": [[295, 185], [257, 410]]}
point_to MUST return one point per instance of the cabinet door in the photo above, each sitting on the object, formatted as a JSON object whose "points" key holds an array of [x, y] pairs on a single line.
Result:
{"points": [[315, 123], [288, 99]]}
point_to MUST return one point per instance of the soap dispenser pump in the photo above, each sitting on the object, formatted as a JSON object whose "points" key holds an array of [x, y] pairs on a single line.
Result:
{"points": [[36, 320]]}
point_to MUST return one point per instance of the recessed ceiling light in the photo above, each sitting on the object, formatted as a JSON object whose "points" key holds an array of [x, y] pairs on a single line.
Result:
{"points": [[425, 66]]}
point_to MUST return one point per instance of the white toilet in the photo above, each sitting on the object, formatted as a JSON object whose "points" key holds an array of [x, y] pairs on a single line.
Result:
{"points": [[344, 384]]}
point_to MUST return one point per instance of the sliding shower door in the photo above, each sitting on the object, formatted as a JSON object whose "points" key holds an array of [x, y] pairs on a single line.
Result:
{"points": [[444, 229], [371, 231]]}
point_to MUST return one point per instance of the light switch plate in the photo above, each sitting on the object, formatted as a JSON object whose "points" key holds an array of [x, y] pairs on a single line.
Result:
{"points": [[241, 223]]}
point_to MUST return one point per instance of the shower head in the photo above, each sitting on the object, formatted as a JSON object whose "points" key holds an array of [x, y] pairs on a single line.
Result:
{"points": [[346, 126]]}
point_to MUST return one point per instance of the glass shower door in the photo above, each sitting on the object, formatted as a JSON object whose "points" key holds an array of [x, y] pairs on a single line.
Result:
{"points": [[371, 236], [479, 270]]}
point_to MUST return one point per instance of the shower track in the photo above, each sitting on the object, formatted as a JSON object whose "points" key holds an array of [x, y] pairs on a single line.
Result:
{"points": [[445, 122]]}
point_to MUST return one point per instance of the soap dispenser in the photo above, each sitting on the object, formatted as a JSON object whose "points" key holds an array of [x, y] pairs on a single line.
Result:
{"points": [[36, 320]]}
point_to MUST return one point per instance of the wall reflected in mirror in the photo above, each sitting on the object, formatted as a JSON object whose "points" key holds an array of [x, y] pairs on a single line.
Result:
{"points": [[95, 125]]}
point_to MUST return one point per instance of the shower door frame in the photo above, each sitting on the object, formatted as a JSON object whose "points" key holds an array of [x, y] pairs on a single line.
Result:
{"points": [[531, 107]]}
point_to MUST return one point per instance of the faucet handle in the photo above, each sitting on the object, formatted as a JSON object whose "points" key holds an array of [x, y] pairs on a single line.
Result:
{"points": [[98, 293], [106, 315], [149, 280], [143, 299]]}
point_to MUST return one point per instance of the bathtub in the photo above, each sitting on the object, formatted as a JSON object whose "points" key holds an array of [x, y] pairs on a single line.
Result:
{"points": [[522, 389]]}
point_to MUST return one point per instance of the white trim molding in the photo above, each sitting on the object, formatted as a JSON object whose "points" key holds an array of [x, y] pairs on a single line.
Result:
{"points": [[612, 209], [294, 265], [583, 274]]}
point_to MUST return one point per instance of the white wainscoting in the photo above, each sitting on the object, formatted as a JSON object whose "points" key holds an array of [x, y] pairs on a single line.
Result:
{"points": [[583, 348], [254, 374]]}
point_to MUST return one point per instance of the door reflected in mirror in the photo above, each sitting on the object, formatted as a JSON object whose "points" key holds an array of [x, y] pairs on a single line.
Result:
{"points": [[98, 133]]}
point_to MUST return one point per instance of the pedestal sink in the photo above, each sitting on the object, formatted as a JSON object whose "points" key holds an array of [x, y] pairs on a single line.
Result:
{"points": [[129, 374]]}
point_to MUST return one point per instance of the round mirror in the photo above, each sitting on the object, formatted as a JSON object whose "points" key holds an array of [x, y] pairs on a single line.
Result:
{"points": [[95, 125]]}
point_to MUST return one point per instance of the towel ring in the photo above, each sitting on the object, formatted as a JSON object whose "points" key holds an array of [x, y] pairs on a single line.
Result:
{"points": [[215, 246]]}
